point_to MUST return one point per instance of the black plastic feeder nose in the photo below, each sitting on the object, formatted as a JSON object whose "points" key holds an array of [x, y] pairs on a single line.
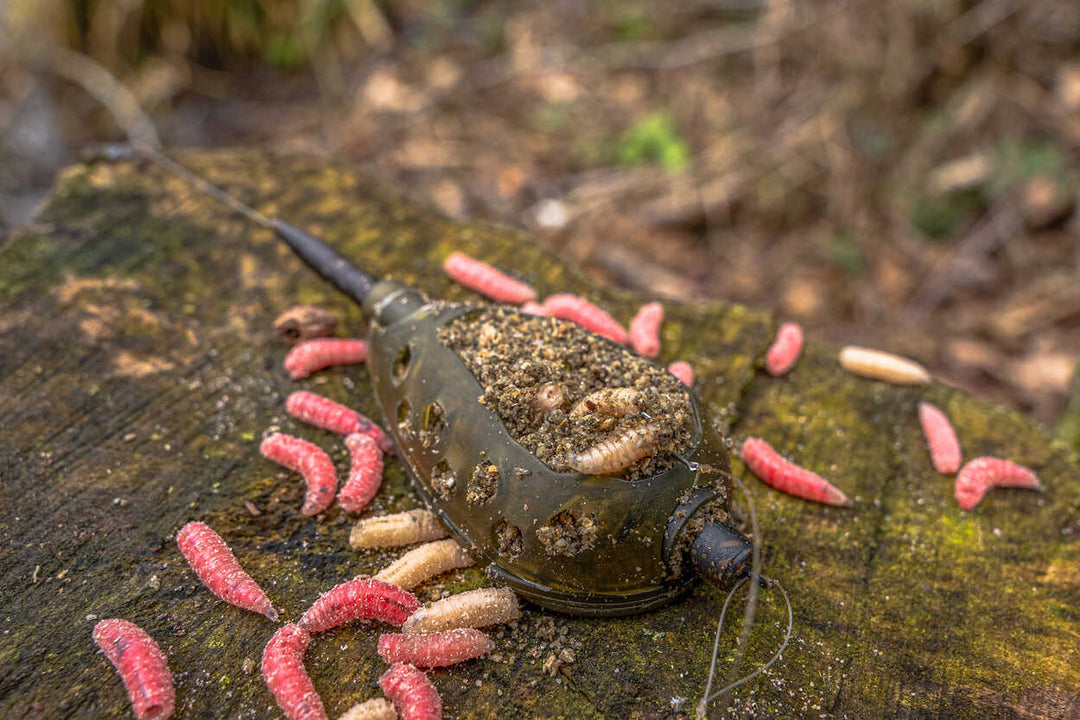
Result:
{"points": [[324, 260], [720, 555]]}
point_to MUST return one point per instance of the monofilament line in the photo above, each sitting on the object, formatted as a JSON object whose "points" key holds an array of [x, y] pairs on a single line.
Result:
{"points": [[769, 583], [708, 696], [100, 84], [164, 161]]}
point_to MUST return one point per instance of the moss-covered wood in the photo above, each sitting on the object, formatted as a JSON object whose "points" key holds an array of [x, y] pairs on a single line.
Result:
{"points": [[139, 368]]}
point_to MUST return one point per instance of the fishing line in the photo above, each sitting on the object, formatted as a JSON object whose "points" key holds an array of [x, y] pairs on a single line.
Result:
{"points": [[748, 618], [132, 120], [769, 583], [151, 153]]}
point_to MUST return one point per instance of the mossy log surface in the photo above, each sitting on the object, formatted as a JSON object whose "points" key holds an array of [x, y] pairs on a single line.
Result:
{"points": [[139, 369]]}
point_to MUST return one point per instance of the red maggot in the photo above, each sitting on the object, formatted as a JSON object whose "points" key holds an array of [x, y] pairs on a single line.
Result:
{"points": [[486, 280], [682, 370], [978, 476], [645, 330], [438, 650], [778, 473], [323, 412], [285, 676], [365, 473], [940, 438], [785, 350], [142, 666], [314, 355], [534, 308], [587, 315], [310, 461], [411, 692], [218, 569], [356, 599]]}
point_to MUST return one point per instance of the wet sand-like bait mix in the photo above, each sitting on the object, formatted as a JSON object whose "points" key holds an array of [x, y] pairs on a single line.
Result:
{"points": [[517, 358]]}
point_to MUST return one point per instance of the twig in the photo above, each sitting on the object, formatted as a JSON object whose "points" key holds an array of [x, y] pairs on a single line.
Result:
{"points": [[1000, 225], [980, 19], [645, 55], [371, 23], [691, 50]]}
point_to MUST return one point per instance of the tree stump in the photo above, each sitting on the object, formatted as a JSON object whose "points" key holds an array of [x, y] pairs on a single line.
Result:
{"points": [[139, 369]]}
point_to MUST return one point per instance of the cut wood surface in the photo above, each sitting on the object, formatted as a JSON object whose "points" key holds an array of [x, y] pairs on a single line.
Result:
{"points": [[139, 369]]}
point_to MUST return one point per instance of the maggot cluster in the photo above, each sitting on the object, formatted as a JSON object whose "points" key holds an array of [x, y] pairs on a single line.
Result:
{"points": [[572, 398]]}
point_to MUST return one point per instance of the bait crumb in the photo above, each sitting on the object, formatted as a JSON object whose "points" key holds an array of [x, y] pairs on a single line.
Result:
{"points": [[442, 480], [483, 483], [516, 357], [510, 543], [568, 533], [432, 425]]}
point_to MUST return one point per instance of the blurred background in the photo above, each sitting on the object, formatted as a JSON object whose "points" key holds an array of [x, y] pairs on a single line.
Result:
{"points": [[899, 174]]}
